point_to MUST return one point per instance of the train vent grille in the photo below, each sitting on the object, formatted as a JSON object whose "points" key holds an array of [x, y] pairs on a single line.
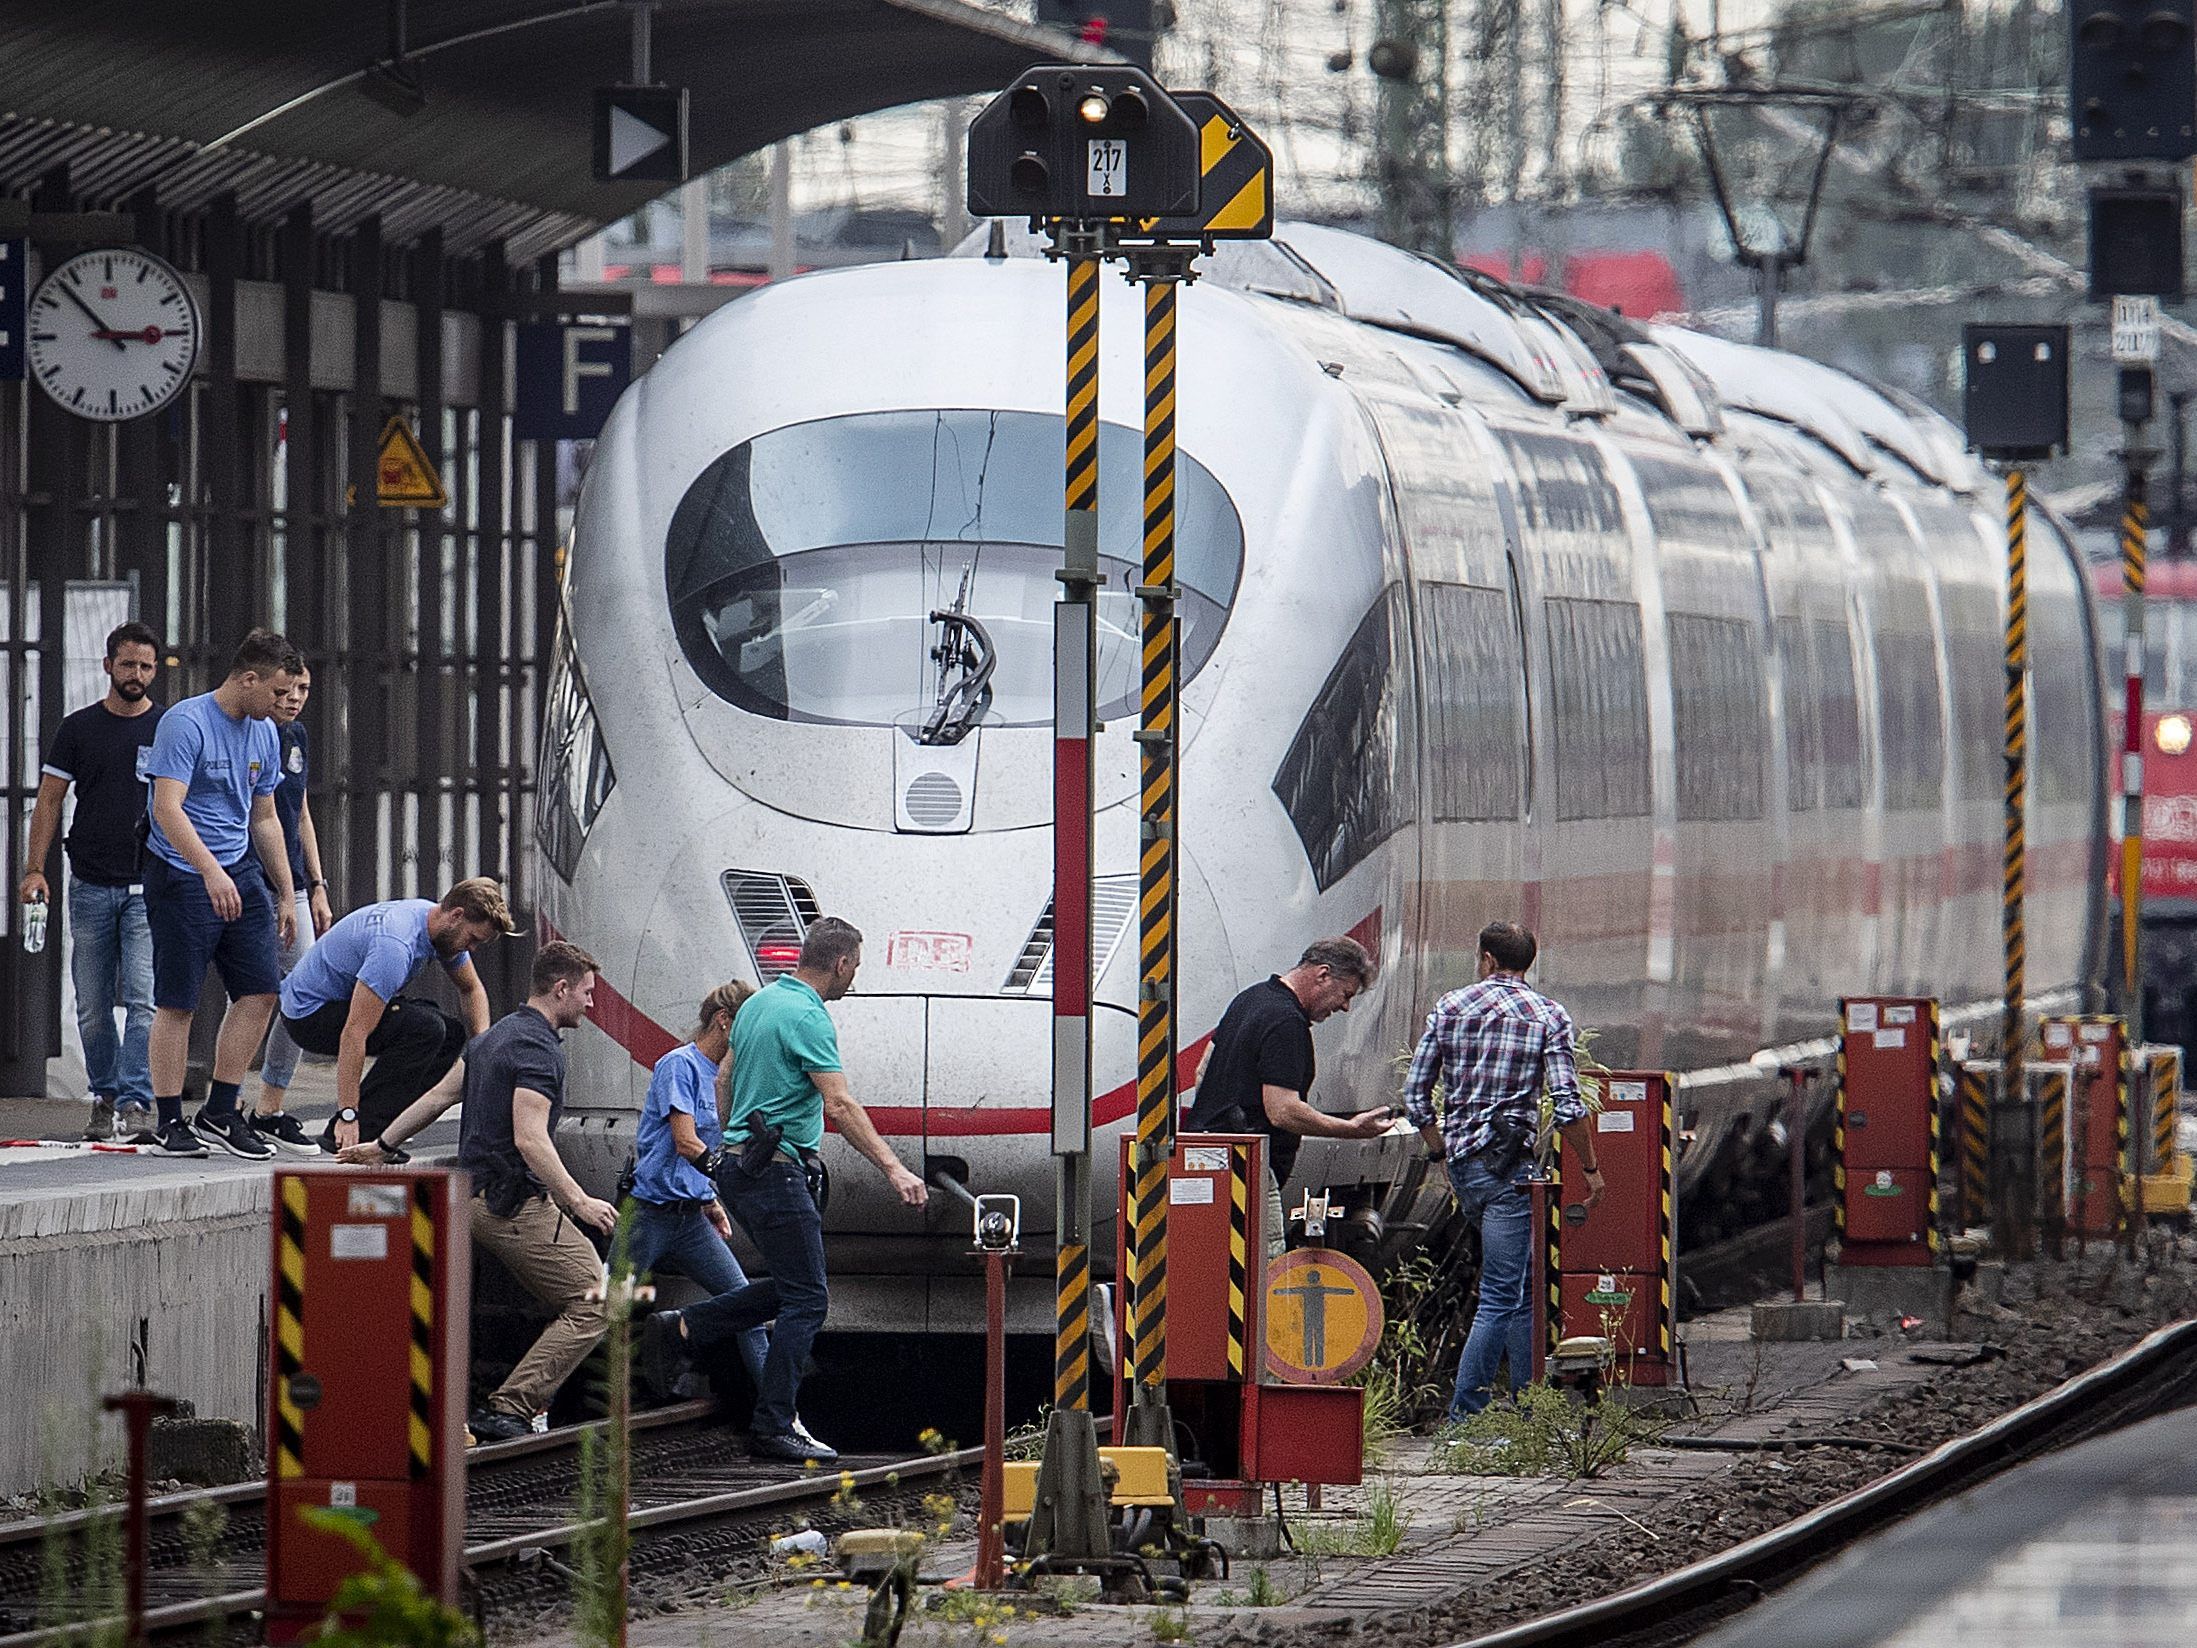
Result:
{"points": [[933, 801], [774, 913], [1113, 912]]}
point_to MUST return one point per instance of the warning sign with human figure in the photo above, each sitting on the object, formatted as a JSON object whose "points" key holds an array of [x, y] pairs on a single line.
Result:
{"points": [[1323, 1317]]}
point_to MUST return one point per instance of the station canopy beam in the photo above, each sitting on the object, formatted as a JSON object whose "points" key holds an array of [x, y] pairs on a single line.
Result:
{"points": [[284, 101]]}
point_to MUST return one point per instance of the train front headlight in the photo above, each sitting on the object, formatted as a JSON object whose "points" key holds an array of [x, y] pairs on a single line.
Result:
{"points": [[2172, 734]]}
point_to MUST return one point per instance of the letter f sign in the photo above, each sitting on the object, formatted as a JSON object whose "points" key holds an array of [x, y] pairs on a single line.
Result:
{"points": [[576, 368]]}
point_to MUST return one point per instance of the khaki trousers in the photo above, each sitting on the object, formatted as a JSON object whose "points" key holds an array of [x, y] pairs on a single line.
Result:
{"points": [[1277, 1227], [555, 1262]]}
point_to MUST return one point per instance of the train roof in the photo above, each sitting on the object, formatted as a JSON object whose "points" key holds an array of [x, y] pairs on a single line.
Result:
{"points": [[1568, 354]]}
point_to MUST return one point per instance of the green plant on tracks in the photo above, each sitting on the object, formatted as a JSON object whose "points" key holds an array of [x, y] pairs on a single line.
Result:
{"points": [[1545, 1432], [606, 1463], [1171, 1624], [1377, 1533], [383, 1607]]}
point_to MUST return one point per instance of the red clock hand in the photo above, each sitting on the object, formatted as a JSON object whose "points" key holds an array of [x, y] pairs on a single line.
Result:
{"points": [[100, 327]]}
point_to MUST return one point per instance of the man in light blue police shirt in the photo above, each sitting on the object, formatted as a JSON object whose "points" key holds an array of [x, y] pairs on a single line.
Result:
{"points": [[217, 887]]}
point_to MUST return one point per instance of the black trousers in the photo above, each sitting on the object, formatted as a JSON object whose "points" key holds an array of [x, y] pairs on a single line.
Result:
{"points": [[412, 1048]]}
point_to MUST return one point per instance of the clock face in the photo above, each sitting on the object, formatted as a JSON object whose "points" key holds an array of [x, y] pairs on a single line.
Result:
{"points": [[112, 334]]}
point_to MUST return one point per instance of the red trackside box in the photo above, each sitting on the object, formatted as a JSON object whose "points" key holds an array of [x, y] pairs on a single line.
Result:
{"points": [[2097, 1117], [1887, 1134], [367, 1388], [1616, 1262]]}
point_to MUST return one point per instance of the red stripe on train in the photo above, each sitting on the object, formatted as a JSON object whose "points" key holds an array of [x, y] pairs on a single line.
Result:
{"points": [[646, 1041]]}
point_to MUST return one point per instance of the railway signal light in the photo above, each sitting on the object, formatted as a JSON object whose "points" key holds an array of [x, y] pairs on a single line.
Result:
{"points": [[1082, 143], [2136, 242], [2132, 79], [2015, 394]]}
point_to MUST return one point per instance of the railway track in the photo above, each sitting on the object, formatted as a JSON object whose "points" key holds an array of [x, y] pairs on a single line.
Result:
{"points": [[2156, 1375], [692, 1485]]}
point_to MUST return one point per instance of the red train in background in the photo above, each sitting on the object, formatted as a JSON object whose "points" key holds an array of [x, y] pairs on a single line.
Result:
{"points": [[2170, 785]]}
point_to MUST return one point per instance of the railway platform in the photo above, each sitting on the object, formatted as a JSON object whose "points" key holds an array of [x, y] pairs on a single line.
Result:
{"points": [[119, 1268]]}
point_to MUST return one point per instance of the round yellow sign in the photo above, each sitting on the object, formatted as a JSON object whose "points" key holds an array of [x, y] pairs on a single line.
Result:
{"points": [[1323, 1317]]}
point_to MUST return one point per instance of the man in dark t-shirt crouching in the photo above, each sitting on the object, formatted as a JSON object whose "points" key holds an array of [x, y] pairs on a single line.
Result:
{"points": [[1257, 1075], [527, 1208]]}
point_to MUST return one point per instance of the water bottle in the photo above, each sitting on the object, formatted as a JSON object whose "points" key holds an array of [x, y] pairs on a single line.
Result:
{"points": [[808, 1542], [34, 925]]}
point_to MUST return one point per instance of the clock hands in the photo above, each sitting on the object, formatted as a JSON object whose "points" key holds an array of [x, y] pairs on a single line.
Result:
{"points": [[100, 327]]}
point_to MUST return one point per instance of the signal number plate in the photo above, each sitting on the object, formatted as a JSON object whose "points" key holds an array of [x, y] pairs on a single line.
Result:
{"points": [[1106, 168]]}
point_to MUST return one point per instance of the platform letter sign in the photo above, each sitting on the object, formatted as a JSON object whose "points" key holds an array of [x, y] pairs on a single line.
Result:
{"points": [[12, 298], [570, 374]]}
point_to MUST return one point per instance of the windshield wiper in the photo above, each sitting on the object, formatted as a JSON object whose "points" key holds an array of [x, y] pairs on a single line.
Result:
{"points": [[966, 659]]}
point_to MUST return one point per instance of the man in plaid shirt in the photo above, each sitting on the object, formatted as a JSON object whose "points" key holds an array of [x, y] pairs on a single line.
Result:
{"points": [[1491, 1048]]}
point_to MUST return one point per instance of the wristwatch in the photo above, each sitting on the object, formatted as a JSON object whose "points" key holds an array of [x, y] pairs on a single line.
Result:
{"points": [[347, 1114]]}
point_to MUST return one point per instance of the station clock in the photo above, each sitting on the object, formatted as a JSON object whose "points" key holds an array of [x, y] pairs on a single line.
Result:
{"points": [[112, 334]]}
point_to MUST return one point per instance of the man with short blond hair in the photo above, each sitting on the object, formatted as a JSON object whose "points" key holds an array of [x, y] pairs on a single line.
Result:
{"points": [[526, 1204], [344, 1000]]}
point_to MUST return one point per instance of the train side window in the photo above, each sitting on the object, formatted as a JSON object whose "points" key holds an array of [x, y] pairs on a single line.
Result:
{"points": [[1475, 693], [1598, 691], [1913, 730], [1803, 726], [1975, 647], [1839, 714], [1717, 715], [576, 776], [1347, 780]]}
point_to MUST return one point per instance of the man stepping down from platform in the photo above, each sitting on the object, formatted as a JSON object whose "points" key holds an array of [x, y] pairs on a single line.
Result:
{"points": [[344, 999]]}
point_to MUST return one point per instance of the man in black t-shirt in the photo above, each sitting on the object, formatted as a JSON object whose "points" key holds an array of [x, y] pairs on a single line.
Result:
{"points": [[101, 751], [1256, 1077], [526, 1206]]}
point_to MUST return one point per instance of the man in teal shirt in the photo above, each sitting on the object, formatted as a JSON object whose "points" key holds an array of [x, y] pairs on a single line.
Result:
{"points": [[786, 1080]]}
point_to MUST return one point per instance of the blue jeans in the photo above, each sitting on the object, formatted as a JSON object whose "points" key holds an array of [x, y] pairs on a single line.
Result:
{"points": [[774, 1208], [681, 1240], [1503, 1325], [112, 966], [280, 1062]]}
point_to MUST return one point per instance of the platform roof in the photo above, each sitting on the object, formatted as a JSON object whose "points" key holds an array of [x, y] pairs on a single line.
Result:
{"points": [[262, 97]]}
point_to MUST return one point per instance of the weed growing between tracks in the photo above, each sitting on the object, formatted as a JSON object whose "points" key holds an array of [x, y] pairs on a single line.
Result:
{"points": [[1378, 1533], [1546, 1431], [606, 1464]]}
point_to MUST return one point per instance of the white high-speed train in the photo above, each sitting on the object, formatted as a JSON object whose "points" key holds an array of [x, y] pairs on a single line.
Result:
{"points": [[1683, 652]]}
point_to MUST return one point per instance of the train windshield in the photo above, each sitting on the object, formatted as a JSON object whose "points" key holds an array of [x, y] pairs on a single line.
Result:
{"points": [[803, 566]]}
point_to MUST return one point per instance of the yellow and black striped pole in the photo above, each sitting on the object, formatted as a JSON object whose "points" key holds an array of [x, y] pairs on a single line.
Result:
{"points": [[289, 1325], [422, 1426], [1161, 271], [1075, 641], [2135, 521]]}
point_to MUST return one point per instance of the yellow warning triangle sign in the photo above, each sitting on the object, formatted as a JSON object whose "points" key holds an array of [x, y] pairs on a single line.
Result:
{"points": [[403, 477]]}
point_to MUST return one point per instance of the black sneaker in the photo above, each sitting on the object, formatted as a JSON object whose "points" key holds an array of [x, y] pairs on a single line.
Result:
{"points": [[661, 1353], [282, 1131], [495, 1425], [231, 1132], [793, 1449], [177, 1139], [327, 1140], [100, 1129]]}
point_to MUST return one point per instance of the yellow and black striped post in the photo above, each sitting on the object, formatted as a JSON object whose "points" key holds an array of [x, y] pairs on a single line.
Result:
{"points": [[422, 1424], [2015, 869], [1975, 1143], [289, 1326], [1937, 1164], [1666, 1314], [1239, 1255], [2052, 1157], [2128, 1174], [1075, 641], [2135, 520], [2166, 1099], [1161, 271], [1838, 1133]]}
